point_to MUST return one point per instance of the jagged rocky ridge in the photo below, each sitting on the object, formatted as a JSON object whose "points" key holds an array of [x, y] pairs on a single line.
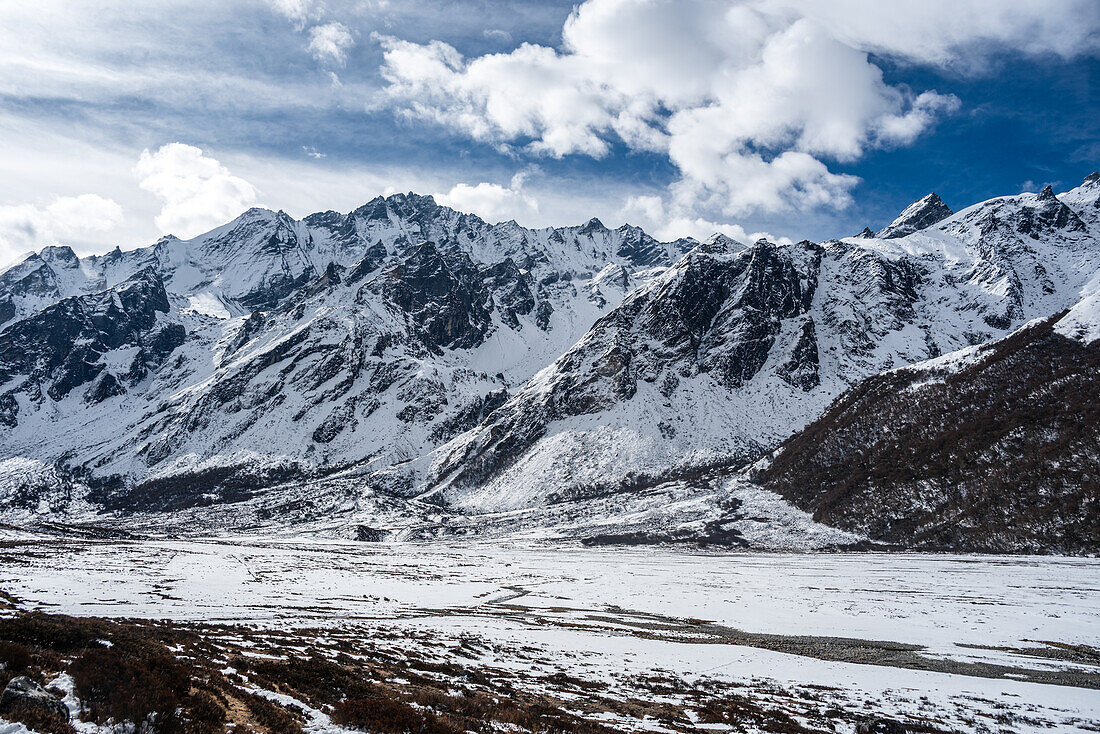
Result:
{"points": [[62, 347], [429, 361], [261, 257], [730, 351], [919, 215], [297, 347]]}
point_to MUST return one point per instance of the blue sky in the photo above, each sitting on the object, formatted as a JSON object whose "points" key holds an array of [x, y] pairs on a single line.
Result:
{"points": [[799, 119]]}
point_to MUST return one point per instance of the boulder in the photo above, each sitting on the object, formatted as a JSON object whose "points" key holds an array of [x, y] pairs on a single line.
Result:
{"points": [[370, 535], [24, 695]]}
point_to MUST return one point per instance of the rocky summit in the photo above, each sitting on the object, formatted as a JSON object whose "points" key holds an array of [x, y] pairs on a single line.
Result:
{"points": [[919, 215]]}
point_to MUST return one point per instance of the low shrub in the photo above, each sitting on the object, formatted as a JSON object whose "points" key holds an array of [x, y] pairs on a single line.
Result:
{"points": [[54, 632], [145, 690], [39, 721], [14, 657], [275, 719], [203, 714], [383, 716]]}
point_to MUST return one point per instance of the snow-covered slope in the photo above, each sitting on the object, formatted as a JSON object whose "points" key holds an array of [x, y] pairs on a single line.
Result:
{"points": [[1082, 322], [410, 350], [298, 346], [727, 353]]}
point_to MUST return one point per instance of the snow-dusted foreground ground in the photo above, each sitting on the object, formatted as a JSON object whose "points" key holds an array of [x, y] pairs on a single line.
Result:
{"points": [[991, 643]]}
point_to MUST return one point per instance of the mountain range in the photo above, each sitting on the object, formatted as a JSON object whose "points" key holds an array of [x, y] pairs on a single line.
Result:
{"points": [[409, 371]]}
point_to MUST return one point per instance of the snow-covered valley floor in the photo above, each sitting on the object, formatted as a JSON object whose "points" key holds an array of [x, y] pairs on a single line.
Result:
{"points": [[951, 643]]}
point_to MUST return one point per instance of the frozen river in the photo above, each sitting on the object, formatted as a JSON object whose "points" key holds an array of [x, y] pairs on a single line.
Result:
{"points": [[978, 634]]}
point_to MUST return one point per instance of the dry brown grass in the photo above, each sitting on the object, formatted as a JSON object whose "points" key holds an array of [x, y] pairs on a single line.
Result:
{"points": [[168, 678]]}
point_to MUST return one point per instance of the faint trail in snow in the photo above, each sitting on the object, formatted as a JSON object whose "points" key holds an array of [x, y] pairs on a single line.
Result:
{"points": [[516, 593]]}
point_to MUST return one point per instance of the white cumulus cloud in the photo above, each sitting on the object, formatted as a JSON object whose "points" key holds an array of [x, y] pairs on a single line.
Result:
{"points": [[67, 220], [198, 192], [754, 101], [949, 33], [650, 213], [493, 202]]}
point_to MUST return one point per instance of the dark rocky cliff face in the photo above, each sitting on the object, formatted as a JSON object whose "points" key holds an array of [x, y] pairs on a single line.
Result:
{"points": [[716, 313], [441, 294], [60, 348], [638, 248], [1002, 454], [510, 290], [1048, 214], [35, 278], [765, 287], [447, 300]]}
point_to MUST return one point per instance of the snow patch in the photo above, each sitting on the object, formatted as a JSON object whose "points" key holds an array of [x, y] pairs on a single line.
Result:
{"points": [[207, 304], [1083, 320]]}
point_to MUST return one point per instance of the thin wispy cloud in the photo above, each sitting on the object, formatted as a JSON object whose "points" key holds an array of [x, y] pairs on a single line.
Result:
{"points": [[498, 35], [297, 11], [330, 42]]}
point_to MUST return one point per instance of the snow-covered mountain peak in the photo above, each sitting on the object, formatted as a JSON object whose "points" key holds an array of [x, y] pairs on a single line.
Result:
{"points": [[256, 260], [593, 225], [717, 244], [254, 213], [917, 216], [59, 254], [1084, 200], [406, 206], [1030, 216]]}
